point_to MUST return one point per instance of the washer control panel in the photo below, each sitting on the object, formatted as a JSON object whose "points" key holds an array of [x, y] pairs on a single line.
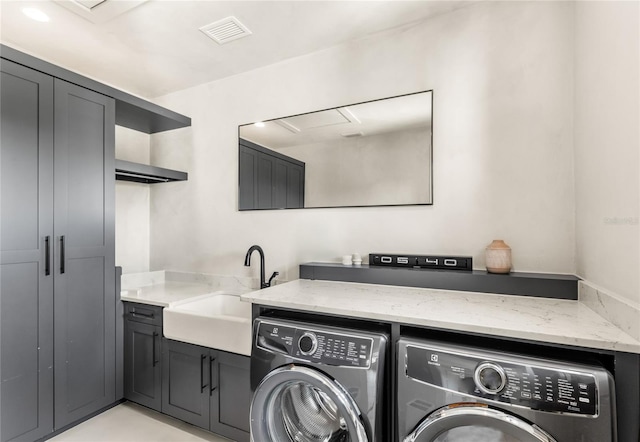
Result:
{"points": [[490, 378], [318, 346], [308, 343], [533, 386]]}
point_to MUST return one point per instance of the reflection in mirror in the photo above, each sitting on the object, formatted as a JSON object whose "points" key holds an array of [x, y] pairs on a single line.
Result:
{"points": [[377, 153]]}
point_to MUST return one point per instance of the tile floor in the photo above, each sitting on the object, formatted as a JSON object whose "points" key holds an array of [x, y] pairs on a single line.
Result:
{"points": [[129, 422]]}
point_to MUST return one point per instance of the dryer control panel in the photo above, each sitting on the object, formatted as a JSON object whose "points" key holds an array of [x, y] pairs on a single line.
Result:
{"points": [[316, 345], [533, 386]]}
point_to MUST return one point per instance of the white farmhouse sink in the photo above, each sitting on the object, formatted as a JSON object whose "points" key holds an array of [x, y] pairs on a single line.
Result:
{"points": [[219, 321]]}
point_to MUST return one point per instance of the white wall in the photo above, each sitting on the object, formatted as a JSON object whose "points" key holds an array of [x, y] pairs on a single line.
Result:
{"points": [[384, 169], [132, 205], [607, 145], [502, 75]]}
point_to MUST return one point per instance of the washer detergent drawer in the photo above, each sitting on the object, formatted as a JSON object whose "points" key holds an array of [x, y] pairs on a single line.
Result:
{"points": [[466, 422], [301, 404]]}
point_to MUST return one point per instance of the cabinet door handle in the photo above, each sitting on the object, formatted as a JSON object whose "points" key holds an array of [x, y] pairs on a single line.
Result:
{"points": [[141, 315], [211, 376], [47, 256], [62, 254], [155, 360], [203, 358]]}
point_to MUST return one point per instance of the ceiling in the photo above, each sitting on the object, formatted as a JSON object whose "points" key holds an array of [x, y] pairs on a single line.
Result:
{"points": [[378, 117], [155, 47]]}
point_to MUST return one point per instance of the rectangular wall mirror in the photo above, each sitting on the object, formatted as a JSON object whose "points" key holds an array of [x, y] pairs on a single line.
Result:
{"points": [[377, 153]]}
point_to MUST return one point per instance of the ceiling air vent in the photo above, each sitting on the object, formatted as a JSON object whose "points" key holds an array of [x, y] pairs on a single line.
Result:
{"points": [[225, 30]]}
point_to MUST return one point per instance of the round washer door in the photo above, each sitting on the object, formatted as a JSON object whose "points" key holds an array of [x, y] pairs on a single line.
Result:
{"points": [[297, 403], [477, 422]]}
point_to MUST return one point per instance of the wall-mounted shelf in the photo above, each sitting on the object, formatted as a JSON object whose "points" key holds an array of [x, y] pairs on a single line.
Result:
{"points": [[515, 283], [131, 111], [143, 173]]}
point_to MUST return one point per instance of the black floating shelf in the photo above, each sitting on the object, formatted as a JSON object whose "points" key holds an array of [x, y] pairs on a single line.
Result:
{"points": [[515, 283], [143, 173]]}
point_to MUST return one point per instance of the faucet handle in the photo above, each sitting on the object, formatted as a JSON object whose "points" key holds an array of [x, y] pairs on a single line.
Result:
{"points": [[272, 277]]}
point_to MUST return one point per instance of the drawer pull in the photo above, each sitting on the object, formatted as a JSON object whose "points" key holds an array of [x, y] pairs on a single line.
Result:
{"points": [[142, 315]]}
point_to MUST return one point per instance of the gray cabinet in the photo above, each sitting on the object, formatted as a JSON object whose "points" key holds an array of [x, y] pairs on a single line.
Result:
{"points": [[142, 355], [57, 258], [26, 235], [84, 283], [207, 388], [231, 395], [248, 175], [185, 382], [268, 179]]}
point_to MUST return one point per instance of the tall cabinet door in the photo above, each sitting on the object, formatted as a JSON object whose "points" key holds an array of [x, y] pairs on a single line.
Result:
{"points": [[84, 252], [26, 227]]}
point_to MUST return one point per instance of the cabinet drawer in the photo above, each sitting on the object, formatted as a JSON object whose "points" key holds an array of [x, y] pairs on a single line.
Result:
{"points": [[146, 314]]}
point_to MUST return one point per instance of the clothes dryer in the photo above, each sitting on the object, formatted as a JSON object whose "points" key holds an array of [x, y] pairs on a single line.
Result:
{"points": [[450, 393]]}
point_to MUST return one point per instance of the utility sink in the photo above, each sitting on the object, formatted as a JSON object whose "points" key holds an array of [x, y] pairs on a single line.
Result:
{"points": [[219, 321]]}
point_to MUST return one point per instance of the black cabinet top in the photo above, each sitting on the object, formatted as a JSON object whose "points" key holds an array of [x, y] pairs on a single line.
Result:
{"points": [[131, 111]]}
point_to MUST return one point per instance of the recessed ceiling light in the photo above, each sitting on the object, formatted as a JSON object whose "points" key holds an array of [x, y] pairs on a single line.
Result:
{"points": [[35, 14], [99, 11], [259, 124], [89, 4], [352, 134]]}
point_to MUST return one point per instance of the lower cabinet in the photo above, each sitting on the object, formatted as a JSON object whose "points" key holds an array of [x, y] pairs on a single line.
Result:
{"points": [[231, 397], [143, 376], [185, 382], [207, 388], [204, 387], [142, 354]]}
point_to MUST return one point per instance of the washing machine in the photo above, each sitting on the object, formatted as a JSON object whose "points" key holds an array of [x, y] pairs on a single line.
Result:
{"points": [[449, 392], [316, 383]]}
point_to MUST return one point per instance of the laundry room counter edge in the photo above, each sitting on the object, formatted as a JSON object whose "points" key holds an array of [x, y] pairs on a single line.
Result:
{"points": [[558, 321]]}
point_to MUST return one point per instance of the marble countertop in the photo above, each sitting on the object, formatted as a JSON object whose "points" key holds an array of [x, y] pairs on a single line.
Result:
{"points": [[220, 322], [166, 294], [167, 288], [531, 318]]}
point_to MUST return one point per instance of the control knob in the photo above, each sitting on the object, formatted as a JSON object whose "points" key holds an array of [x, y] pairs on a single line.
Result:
{"points": [[490, 378], [308, 343]]}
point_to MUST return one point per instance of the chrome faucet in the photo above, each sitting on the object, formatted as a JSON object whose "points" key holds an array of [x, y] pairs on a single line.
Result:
{"points": [[247, 263]]}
